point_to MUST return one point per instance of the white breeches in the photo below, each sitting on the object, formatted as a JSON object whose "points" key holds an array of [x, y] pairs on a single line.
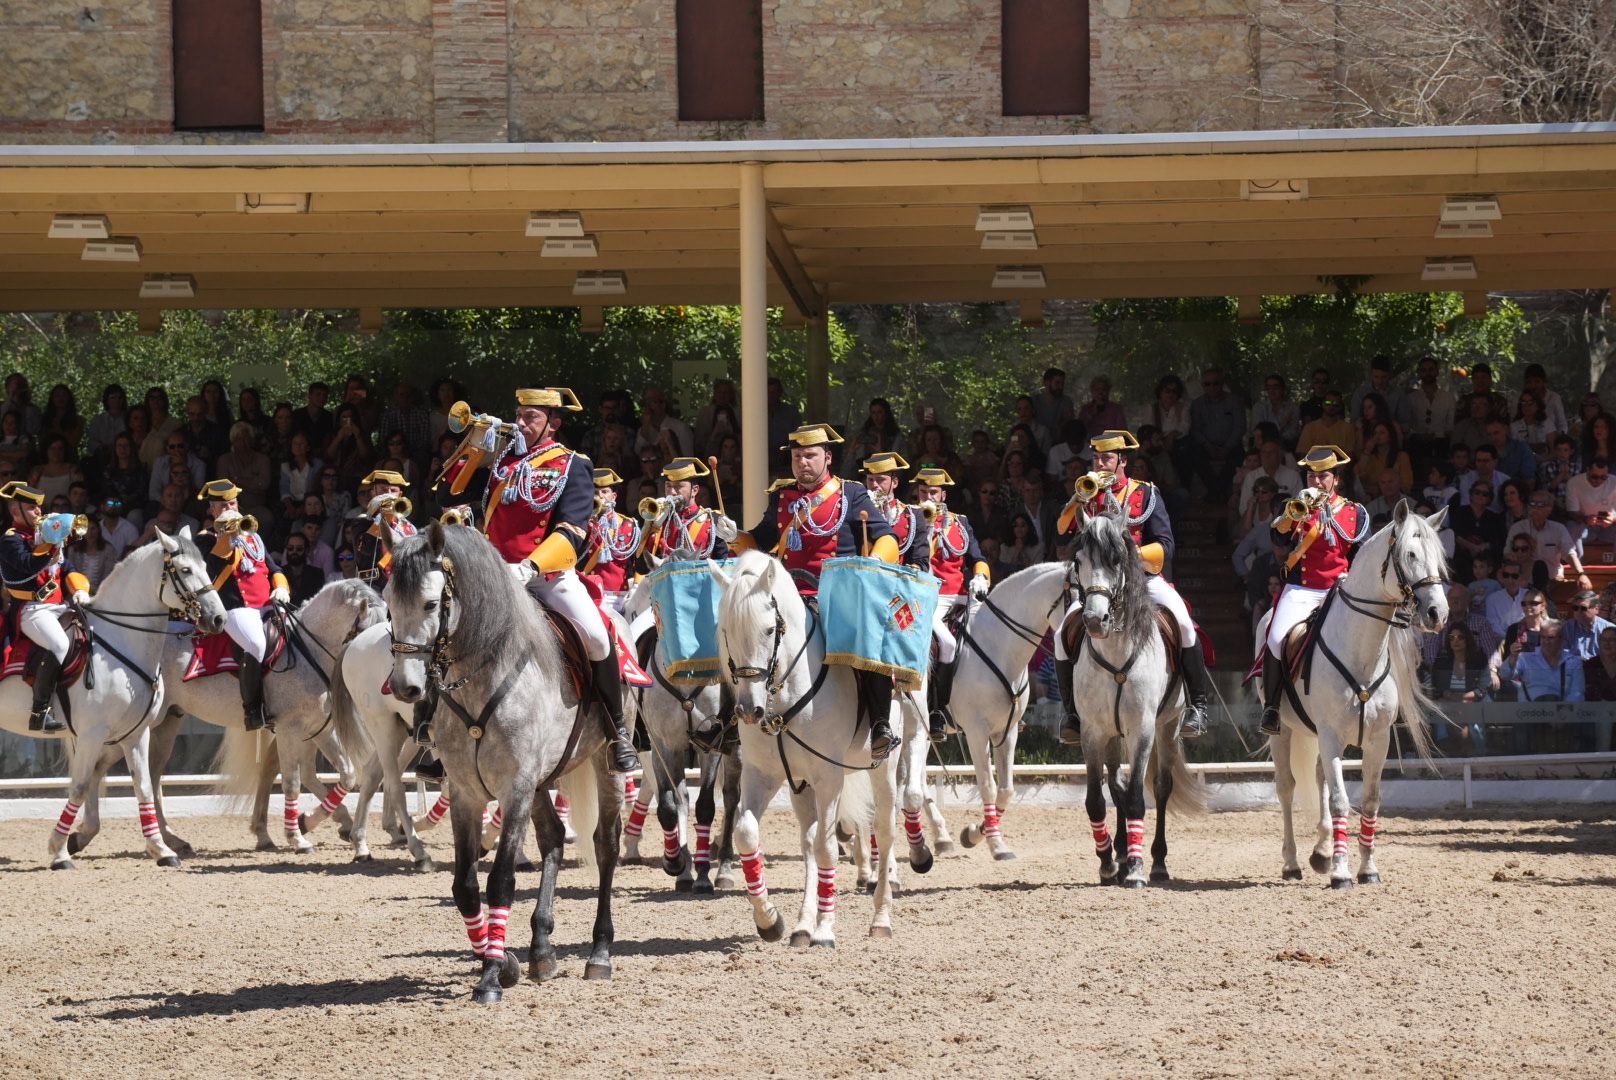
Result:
{"points": [[245, 626], [616, 600], [1295, 604], [565, 594], [1162, 594], [42, 624], [947, 646]]}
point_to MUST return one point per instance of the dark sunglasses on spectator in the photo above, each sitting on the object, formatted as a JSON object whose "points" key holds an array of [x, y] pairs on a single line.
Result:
{"points": [[1510, 575], [176, 446], [1584, 607], [345, 558], [1530, 603]]}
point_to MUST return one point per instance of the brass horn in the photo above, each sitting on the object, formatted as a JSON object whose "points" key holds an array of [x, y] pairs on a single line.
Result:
{"points": [[929, 510], [81, 526], [1301, 507], [652, 508], [398, 506], [1090, 484], [456, 515], [245, 523]]}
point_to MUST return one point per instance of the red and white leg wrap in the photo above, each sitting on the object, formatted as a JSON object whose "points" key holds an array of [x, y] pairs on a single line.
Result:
{"points": [[827, 890], [875, 849], [477, 931], [333, 798], [704, 846], [497, 819], [1367, 826], [148, 820], [752, 868], [990, 821], [435, 813], [1102, 838], [1136, 838], [911, 825], [1339, 822], [636, 821], [70, 814], [487, 816], [563, 807], [495, 949], [290, 815], [630, 790], [670, 844]]}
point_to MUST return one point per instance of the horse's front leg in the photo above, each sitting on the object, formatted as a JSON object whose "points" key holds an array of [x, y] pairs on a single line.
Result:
{"points": [[466, 824], [90, 817], [706, 811], [1004, 759], [1374, 761], [389, 753], [913, 780], [1336, 804], [636, 816], [291, 770], [1165, 749], [884, 781], [671, 814], [976, 739], [730, 769], [819, 866], [1133, 866], [268, 769], [756, 791], [1279, 746], [808, 824], [607, 838], [331, 803], [500, 969], [541, 956], [163, 738], [136, 753], [1094, 804]]}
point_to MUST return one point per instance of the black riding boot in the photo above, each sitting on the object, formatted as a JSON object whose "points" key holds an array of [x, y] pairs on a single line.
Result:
{"points": [[43, 718], [939, 690], [609, 688], [1198, 689], [1273, 683], [251, 678], [1071, 729]]}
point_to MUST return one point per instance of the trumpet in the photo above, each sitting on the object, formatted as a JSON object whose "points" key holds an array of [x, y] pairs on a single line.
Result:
{"points": [[456, 515], [652, 508], [461, 418], [929, 510], [243, 523], [395, 506], [1302, 507], [470, 454], [1089, 486]]}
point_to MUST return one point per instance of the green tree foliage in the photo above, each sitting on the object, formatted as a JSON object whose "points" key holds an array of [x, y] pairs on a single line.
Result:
{"points": [[1139, 340]]}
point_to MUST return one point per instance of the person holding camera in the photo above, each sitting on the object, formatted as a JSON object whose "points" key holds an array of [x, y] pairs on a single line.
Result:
{"points": [[1541, 667]]}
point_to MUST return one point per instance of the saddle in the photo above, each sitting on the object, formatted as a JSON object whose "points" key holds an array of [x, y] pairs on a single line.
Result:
{"points": [[22, 657], [218, 654], [1294, 650], [1073, 633]]}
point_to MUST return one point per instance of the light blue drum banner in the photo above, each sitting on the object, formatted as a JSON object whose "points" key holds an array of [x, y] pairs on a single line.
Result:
{"points": [[878, 616], [684, 598]]}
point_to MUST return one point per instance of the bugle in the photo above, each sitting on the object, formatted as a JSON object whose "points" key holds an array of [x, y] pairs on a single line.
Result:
{"points": [[1089, 486]]}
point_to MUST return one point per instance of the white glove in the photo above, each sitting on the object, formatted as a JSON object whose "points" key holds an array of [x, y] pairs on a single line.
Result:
{"points": [[81, 597], [280, 595], [724, 528], [526, 571], [979, 587]]}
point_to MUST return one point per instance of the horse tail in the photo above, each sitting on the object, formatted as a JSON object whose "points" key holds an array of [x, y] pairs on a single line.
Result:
{"points": [[582, 787], [1416, 707], [1191, 796], [855, 809], [345, 723], [237, 761]]}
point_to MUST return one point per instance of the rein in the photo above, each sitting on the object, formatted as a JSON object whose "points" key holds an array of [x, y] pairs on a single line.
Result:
{"points": [[1028, 634]]}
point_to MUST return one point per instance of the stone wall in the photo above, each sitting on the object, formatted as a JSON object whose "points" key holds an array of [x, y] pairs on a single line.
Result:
{"points": [[553, 70]]}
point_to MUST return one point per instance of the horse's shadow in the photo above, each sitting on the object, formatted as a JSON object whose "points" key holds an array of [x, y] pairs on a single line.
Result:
{"points": [[579, 950], [276, 996]]}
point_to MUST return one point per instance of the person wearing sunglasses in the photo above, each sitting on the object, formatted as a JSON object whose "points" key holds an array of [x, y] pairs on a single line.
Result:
{"points": [[1551, 543], [1585, 625], [1505, 606]]}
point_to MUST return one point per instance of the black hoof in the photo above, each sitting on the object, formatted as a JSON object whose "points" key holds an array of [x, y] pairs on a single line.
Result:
{"points": [[594, 972], [423, 865], [490, 996], [75, 844], [684, 885], [1160, 874], [971, 835], [1004, 856], [1319, 863], [344, 833], [1132, 883], [1340, 883], [303, 823], [675, 867], [920, 860], [541, 969], [703, 887], [1369, 879], [1291, 875], [774, 931], [881, 931], [510, 972], [800, 939], [822, 944], [63, 864], [169, 861]]}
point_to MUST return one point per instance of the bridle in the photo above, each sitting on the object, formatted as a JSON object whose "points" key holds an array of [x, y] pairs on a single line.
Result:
{"points": [[774, 680], [440, 652], [188, 608], [1402, 608]]}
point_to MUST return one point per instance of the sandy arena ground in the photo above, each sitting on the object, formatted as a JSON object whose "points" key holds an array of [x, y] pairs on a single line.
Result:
{"points": [[1488, 952]]}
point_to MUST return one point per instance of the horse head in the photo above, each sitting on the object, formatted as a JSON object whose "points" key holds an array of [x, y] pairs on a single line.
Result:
{"points": [[184, 582], [1100, 570], [751, 633], [420, 603], [1415, 557]]}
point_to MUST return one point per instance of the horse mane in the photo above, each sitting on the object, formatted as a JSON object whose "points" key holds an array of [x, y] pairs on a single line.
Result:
{"points": [[744, 610], [347, 593], [1105, 543], [508, 622]]}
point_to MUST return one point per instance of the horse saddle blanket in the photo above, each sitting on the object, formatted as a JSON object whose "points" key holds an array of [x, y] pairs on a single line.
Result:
{"points": [[217, 654], [1296, 643], [21, 656], [1167, 626]]}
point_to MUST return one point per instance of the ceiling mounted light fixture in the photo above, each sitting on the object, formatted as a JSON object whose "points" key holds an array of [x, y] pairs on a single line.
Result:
{"points": [[1456, 269], [600, 283], [1273, 190], [1464, 230], [1004, 219], [1016, 240], [1470, 208], [79, 227], [168, 287], [124, 249], [570, 247], [1018, 277], [555, 223]]}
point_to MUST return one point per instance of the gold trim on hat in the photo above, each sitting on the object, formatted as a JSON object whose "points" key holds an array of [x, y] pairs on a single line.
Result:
{"points": [[810, 435], [685, 468], [1114, 439], [1325, 458], [886, 462], [549, 397], [934, 476]]}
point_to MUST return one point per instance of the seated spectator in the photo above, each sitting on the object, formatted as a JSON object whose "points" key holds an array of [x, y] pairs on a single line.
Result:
{"points": [[1481, 385], [93, 556], [1273, 583], [208, 440], [335, 502], [116, 529], [1099, 413], [1168, 411], [300, 474], [1023, 548], [1373, 410], [987, 511], [1515, 458], [1440, 488], [1271, 466], [250, 411], [1549, 672], [349, 450], [1157, 456], [282, 426], [1505, 607], [1590, 500], [1276, 407], [321, 555], [1459, 672], [1383, 451], [878, 434], [110, 422], [1582, 630], [305, 580], [57, 472], [1531, 426], [177, 466], [1478, 529], [1535, 381], [1512, 496], [647, 483], [408, 417], [346, 565], [1390, 493], [16, 447], [1073, 444], [1026, 417], [216, 406], [1444, 531], [1427, 413], [1255, 524], [1599, 438], [1599, 673], [445, 392], [933, 448], [655, 418], [356, 392], [1471, 428], [1043, 510], [1331, 429], [78, 498], [982, 462], [1554, 473], [1212, 449], [1552, 543], [169, 516], [1380, 386], [314, 419], [396, 448], [1589, 408], [250, 469], [123, 477], [1312, 407], [61, 417], [1486, 471]]}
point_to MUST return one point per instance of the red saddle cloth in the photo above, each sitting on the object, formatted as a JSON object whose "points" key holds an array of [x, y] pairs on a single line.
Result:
{"points": [[17, 656], [216, 654]]}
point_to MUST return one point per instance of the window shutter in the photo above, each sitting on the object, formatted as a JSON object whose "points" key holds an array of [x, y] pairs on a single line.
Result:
{"points": [[218, 65], [720, 50], [1045, 57]]}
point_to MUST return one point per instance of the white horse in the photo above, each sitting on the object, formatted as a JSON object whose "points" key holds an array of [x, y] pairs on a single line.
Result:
{"points": [[112, 706], [1360, 678], [992, 688], [295, 694], [1131, 704], [800, 726]]}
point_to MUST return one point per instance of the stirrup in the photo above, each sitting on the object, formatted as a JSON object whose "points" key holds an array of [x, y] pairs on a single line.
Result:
{"points": [[1071, 731], [1270, 720], [882, 742], [253, 719], [709, 739], [1193, 723], [624, 757], [938, 724], [423, 733], [45, 721], [430, 770]]}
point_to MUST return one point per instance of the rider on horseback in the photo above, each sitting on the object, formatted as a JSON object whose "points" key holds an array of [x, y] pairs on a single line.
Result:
{"points": [[372, 556], [952, 547], [248, 581], [882, 475], [680, 523], [1312, 568], [818, 516], [35, 569], [612, 542], [1145, 514], [540, 495]]}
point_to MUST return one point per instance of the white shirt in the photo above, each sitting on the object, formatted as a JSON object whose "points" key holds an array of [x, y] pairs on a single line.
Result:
{"points": [[1585, 500], [1554, 413], [120, 537], [1552, 542], [1504, 610], [683, 437], [1174, 421], [1288, 480], [1428, 416]]}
